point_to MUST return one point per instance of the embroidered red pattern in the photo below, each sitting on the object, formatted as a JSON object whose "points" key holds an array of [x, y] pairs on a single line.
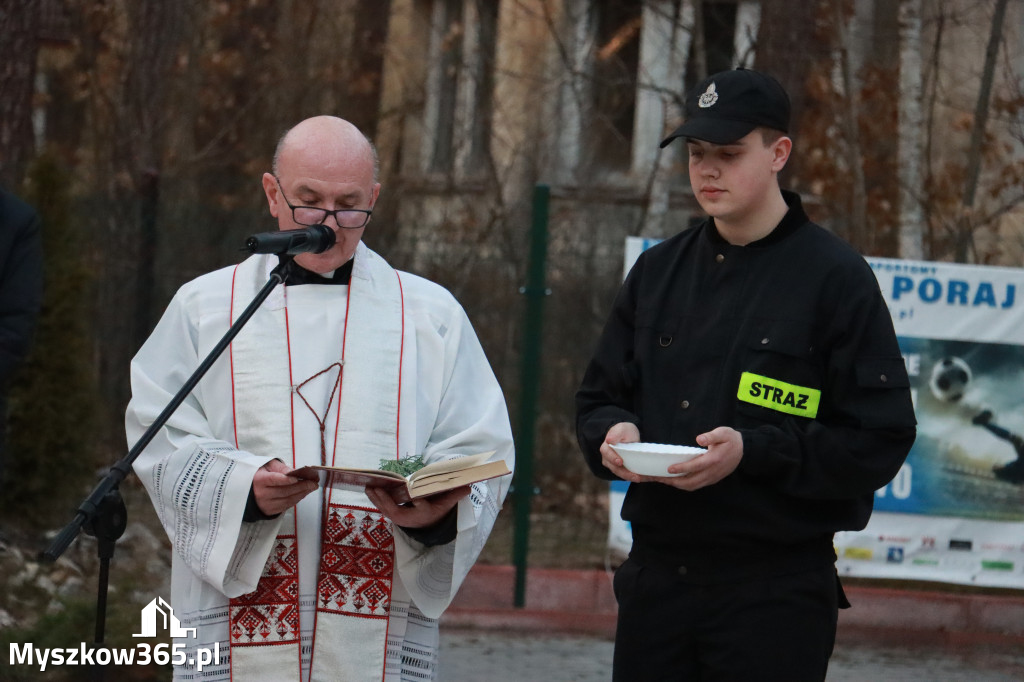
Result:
{"points": [[357, 559], [269, 614]]}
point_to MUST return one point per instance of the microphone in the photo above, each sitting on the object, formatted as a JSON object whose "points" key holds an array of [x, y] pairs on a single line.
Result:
{"points": [[313, 239]]}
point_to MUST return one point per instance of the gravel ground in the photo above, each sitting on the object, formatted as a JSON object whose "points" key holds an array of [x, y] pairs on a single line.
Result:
{"points": [[494, 656]]}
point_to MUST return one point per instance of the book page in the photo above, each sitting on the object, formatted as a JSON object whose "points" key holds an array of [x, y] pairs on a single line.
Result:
{"points": [[453, 464], [428, 485]]}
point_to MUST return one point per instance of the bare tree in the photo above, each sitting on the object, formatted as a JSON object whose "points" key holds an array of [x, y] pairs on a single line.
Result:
{"points": [[911, 132], [849, 116], [19, 44], [126, 55], [966, 223], [672, 43], [154, 34]]}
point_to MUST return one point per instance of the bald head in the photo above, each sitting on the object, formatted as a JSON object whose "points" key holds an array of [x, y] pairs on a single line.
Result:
{"points": [[325, 141], [324, 163]]}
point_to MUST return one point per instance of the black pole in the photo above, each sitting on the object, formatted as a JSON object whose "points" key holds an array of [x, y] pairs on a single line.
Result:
{"points": [[103, 513], [106, 526]]}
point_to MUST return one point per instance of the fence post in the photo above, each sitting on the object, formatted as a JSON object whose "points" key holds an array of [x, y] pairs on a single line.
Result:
{"points": [[535, 291]]}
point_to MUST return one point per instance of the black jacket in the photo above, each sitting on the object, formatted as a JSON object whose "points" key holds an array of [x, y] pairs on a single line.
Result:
{"points": [[698, 331], [21, 279]]}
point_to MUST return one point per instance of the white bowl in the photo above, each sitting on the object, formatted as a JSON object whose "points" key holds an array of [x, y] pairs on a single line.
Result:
{"points": [[654, 459]]}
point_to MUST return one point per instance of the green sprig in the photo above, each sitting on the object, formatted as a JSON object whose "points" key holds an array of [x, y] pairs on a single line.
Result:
{"points": [[403, 467]]}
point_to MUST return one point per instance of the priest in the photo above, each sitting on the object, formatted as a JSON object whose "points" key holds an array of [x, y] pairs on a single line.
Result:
{"points": [[351, 363]]}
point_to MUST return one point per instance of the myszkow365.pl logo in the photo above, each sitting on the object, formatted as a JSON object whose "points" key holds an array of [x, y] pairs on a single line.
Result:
{"points": [[156, 614]]}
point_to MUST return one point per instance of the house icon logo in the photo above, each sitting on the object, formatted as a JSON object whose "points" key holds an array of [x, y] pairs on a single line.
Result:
{"points": [[159, 610]]}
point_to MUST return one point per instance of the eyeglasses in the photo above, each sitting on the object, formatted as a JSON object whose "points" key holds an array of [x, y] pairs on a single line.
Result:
{"points": [[347, 218]]}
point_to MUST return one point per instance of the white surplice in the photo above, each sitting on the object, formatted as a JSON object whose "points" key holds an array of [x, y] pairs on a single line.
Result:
{"points": [[450, 404]]}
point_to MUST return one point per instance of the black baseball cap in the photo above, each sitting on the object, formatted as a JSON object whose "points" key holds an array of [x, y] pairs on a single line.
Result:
{"points": [[730, 104]]}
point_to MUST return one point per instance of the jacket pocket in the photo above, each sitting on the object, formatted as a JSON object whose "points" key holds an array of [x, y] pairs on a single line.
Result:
{"points": [[780, 375], [883, 393]]}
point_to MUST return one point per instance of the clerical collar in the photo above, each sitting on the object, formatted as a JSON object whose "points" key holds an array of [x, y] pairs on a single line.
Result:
{"points": [[300, 275]]}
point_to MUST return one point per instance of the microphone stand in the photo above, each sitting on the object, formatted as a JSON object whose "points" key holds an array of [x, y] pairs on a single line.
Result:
{"points": [[103, 513]]}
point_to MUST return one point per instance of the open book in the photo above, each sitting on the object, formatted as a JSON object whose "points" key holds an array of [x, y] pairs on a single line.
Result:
{"points": [[432, 479]]}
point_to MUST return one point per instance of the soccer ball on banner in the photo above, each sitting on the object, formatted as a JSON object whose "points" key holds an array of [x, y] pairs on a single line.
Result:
{"points": [[949, 380]]}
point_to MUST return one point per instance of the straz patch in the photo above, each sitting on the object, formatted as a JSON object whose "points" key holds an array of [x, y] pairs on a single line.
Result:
{"points": [[778, 395]]}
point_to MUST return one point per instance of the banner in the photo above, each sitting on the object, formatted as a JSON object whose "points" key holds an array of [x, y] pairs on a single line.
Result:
{"points": [[955, 511]]}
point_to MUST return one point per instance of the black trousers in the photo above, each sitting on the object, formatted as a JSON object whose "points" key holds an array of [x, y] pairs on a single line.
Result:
{"points": [[766, 629]]}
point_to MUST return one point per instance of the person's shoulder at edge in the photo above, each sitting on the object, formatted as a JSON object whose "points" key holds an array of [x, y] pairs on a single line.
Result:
{"points": [[21, 222], [15, 206]]}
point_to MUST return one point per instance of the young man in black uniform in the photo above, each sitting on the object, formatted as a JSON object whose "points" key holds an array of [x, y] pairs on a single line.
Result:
{"points": [[763, 338]]}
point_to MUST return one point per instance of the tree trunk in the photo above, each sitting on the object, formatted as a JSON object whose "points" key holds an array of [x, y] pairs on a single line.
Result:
{"points": [[785, 51], [153, 45], [673, 45], [19, 44], [965, 226], [849, 119], [911, 133]]}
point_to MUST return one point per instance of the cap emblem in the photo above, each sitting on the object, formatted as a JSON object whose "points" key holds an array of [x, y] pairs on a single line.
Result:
{"points": [[709, 97]]}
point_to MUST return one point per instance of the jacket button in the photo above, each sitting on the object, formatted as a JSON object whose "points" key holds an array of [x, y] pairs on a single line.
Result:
{"points": [[764, 341], [884, 378], [685, 404], [720, 258], [681, 570]]}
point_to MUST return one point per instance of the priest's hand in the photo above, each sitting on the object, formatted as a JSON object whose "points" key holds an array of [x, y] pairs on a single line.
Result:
{"points": [[277, 491], [420, 513]]}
